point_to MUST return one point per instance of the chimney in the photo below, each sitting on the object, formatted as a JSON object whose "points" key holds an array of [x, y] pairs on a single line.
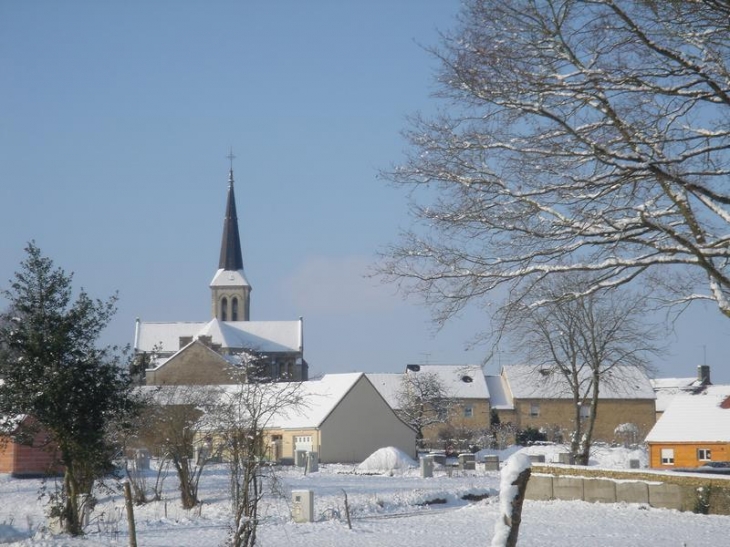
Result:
{"points": [[703, 375]]}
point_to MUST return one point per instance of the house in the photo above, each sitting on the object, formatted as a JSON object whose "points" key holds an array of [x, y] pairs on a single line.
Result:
{"points": [[464, 385], [342, 417], [26, 449], [667, 388], [693, 431], [539, 398], [272, 349]]}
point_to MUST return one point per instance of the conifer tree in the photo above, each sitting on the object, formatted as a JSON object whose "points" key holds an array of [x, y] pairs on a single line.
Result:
{"points": [[53, 371]]}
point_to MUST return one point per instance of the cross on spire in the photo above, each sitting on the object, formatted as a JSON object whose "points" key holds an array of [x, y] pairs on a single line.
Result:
{"points": [[231, 157]]}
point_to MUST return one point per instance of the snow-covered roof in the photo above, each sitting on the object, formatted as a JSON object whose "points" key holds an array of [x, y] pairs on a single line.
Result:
{"points": [[229, 278], [460, 381], [668, 388], [530, 382], [319, 398], [264, 336], [695, 418], [388, 385], [499, 397]]}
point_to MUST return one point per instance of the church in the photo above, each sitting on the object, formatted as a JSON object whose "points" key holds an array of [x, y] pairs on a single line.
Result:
{"points": [[229, 347]]}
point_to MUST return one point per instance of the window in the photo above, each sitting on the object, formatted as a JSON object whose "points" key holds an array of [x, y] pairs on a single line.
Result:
{"points": [[224, 309], [234, 309], [534, 410], [667, 456], [585, 411], [468, 411], [704, 454]]}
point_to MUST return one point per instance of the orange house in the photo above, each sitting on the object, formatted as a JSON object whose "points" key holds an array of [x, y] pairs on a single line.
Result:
{"points": [[693, 431], [26, 459]]}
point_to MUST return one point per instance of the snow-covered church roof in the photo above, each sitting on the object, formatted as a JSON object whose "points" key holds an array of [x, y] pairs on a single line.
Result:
{"points": [[263, 336]]}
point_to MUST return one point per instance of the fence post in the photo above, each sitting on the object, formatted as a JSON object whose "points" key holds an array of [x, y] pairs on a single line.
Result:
{"points": [[130, 514]]}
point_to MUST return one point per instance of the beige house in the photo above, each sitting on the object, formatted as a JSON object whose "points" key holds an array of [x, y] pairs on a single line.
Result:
{"points": [[465, 386], [342, 417], [539, 398], [344, 420]]}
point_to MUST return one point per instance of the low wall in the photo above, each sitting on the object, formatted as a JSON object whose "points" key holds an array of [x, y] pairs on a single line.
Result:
{"points": [[662, 490]]}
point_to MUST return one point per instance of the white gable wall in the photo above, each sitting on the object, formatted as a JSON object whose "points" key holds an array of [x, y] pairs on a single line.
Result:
{"points": [[361, 424]]}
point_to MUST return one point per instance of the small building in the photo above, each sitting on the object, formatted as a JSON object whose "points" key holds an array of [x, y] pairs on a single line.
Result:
{"points": [[27, 450], [693, 431]]}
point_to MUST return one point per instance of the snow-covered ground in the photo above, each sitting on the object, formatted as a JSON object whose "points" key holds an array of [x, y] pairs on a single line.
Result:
{"points": [[390, 504]]}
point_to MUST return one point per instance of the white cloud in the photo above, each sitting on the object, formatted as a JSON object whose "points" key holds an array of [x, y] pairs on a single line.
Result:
{"points": [[339, 285]]}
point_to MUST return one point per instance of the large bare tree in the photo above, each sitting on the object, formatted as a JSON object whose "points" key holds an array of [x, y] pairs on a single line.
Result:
{"points": [[583, 346], [577, 135], [423, 400]]}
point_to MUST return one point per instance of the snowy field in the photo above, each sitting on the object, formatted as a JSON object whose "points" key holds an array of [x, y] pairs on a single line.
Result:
{"points": [[389, 507]]}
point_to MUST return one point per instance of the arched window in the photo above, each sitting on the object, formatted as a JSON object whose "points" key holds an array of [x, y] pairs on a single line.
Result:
{"points": [[234, 309], [224, 309]]}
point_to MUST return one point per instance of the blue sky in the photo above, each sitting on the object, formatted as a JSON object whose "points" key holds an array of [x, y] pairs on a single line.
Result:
{"points": [[115, 122]]}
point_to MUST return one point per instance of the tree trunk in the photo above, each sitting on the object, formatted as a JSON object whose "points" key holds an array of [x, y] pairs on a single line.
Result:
{"points": [[70, 516]]}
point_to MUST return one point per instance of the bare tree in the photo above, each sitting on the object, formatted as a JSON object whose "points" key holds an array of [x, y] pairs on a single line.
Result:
{"points": [[579, 135], [423, 400], [178, 432], [583, 345], [241, 420]]}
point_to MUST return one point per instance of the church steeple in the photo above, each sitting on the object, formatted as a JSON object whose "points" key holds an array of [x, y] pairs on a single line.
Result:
{"points": [[231, 292], [231, 258]]}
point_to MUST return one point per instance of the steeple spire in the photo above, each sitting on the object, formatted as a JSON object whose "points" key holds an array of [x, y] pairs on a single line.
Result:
{"points": [[231, 258]]}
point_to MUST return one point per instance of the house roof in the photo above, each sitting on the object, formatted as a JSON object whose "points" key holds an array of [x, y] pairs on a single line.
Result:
{"points": [[530, 382], [388, 385], [460, 381], [668, 388], [499, 398], [695, 418], [264, 336], [320, 398]]}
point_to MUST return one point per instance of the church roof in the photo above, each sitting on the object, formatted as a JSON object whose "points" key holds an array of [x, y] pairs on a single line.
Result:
{"points": [[231, 258], [263, 336], [229, 278]]}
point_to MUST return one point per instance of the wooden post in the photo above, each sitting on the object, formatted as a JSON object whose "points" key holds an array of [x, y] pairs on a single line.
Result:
{"points": [[514, 525], [347, 511], [130, 514]]}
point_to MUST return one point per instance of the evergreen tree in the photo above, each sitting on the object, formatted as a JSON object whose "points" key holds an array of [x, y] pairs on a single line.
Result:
{"points": [[53, 371]]}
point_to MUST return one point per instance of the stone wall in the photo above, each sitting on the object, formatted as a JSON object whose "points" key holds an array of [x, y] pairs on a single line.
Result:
{"points": [[680, 492]]}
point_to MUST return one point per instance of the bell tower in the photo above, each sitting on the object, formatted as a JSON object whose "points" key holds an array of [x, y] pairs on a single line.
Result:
{"points": [[230, 291]]}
